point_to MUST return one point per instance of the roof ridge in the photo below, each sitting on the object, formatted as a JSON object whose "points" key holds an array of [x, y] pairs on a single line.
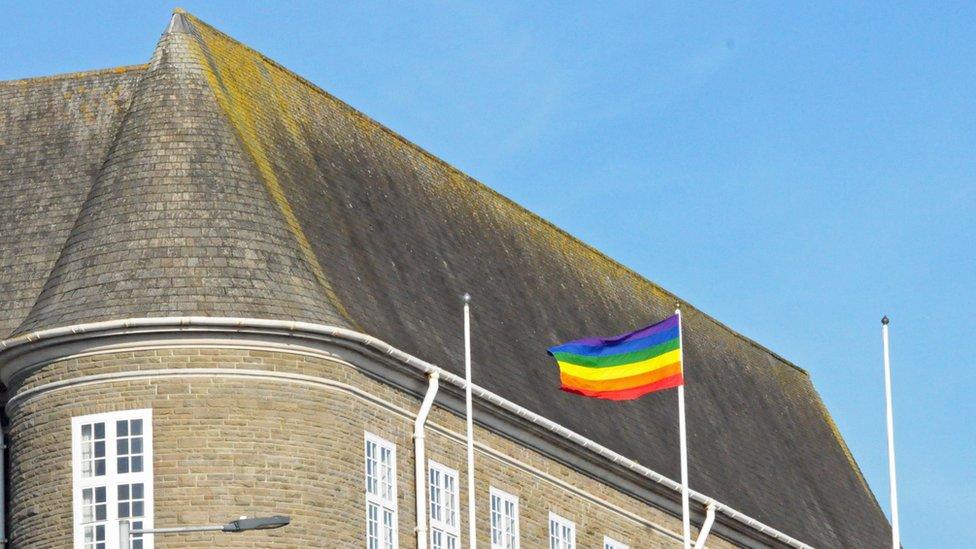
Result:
{"points": [[74, 74], [588, 247]]}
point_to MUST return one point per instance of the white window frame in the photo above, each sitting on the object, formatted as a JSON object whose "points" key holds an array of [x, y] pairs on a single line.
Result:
{"points": [[610, 543], [384, 504], [502, 497], [557, 537], [445, 528], [112, 479]]}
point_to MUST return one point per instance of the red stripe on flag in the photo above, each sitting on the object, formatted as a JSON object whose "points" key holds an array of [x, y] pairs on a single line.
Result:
{"points": [[629, 394]]}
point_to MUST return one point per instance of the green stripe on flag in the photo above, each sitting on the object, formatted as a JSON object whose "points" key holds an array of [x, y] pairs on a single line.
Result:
{"points": [[617, 360]]}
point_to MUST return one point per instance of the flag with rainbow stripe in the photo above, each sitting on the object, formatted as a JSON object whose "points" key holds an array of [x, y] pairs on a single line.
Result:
{"points": [[623, 367]]}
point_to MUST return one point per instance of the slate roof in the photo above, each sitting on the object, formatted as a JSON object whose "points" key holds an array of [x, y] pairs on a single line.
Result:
{"points": [[213, 181]]}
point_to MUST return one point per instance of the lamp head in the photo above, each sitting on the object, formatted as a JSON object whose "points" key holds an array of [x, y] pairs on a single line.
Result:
{"points": [[257, 523]]}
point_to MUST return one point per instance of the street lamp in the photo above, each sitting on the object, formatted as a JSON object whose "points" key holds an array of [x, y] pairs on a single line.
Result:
{"points": [[242, 524]]}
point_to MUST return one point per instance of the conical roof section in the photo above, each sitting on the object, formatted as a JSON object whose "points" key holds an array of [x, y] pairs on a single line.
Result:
{"points": [[179, 220], [236, 188], [54, 135]]}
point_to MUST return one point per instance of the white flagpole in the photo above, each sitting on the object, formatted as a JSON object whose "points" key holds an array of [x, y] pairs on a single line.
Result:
{"points": [[685, 512], [895, 535], [470, 424]]}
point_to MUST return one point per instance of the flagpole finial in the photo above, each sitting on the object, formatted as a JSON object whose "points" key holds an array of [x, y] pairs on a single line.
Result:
{"points": [[884, 320], [466, 297]]}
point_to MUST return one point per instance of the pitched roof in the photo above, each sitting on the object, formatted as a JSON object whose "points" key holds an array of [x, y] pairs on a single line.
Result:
{"points": [[215, 182], [54, 135]]}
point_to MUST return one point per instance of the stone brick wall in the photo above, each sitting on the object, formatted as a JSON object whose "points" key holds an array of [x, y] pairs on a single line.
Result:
{"points": [[246, 441]]}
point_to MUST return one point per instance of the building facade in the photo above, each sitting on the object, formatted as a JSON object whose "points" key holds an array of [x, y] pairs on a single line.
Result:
{"points": [[228, 294]]}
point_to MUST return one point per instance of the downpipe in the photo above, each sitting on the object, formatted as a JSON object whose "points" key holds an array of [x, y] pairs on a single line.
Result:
{"points": [[420, 458], [706, 526]]}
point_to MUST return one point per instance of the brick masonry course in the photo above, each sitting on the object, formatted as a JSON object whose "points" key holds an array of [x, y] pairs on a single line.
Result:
{"points": [[226, 447]]}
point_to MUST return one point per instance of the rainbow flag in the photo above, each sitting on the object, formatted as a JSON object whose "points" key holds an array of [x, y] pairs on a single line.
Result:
{"points": [[624, 367]]}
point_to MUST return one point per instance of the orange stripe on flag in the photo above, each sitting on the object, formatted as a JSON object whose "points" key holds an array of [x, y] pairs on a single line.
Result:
{"points": [[630, 394], [619, 384]]}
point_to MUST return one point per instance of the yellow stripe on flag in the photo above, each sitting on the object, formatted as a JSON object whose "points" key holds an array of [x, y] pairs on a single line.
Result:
{"points": [[624, 370], [623, 383]]}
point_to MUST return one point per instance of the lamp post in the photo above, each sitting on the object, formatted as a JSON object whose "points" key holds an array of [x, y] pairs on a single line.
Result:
{"points": [[242, 524]]}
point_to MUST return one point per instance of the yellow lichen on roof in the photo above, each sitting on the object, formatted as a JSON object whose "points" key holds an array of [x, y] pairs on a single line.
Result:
{"points": [[264, 73], [279, 78], [239, 82]]}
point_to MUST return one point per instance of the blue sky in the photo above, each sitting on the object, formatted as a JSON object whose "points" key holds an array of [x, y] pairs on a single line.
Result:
{"points": [[794, 170]]}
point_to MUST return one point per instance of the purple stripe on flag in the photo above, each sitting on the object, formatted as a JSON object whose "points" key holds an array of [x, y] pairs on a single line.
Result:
{"points": [[647, 342], [599, 346], [662, 326]]}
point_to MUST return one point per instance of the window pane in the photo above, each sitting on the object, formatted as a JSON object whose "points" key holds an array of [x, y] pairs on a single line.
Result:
{"points": [[496, 521], [435, 495], [372, 482], [503, 514], [381, 528], [87, 505], [372, 527], [561, 533], [389, 529], [386, 473], [450, 495], [129, 450]]}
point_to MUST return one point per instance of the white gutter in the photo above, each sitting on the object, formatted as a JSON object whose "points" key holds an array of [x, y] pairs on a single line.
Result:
{"points": [[706, 526], [420, 459], [243, 324]]}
